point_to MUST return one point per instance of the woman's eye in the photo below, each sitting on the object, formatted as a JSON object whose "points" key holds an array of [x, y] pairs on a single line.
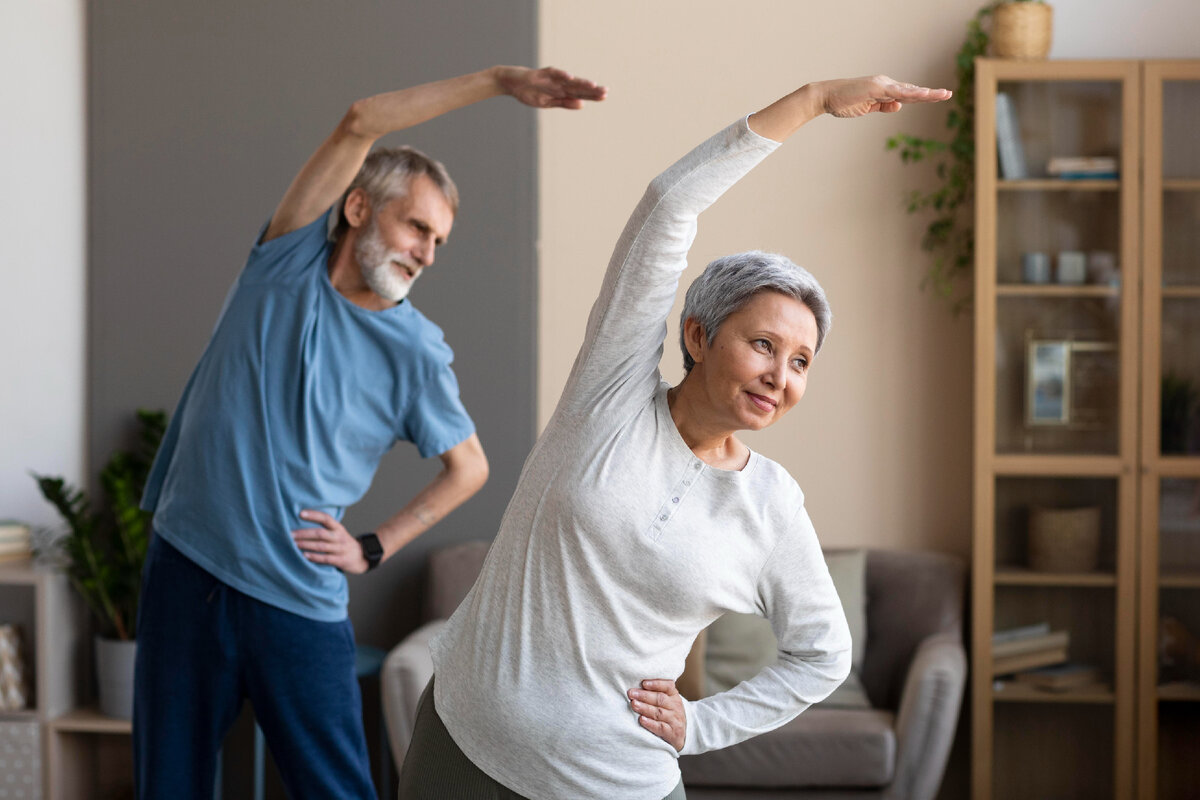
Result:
{"points": [[799, 364], [762, 344]]}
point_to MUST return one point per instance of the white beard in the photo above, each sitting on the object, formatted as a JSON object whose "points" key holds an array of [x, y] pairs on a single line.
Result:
{"points": [[378, 266]]}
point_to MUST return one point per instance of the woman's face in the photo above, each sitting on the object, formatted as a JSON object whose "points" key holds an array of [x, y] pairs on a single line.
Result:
{"points": [[756, 368]]}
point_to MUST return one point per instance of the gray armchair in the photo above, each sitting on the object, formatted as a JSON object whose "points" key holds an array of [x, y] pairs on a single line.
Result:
{"points": [[914, 670]]}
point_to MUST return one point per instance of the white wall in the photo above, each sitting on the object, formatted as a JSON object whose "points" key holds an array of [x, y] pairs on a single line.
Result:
{"points": [[43, 227], [882, 441]]}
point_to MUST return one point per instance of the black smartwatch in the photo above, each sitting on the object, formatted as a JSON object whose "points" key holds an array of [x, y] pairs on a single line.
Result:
{"points": [[372, 550]]}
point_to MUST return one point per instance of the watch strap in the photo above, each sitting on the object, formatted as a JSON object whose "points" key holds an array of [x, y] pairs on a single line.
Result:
{"points": [[372, 549]]}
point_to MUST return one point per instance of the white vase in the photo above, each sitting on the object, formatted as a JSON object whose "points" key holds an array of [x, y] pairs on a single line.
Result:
{"points": [[114, 674]]}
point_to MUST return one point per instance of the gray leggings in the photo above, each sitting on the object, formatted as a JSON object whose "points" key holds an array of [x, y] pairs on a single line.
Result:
{"points": [[436, 769]]}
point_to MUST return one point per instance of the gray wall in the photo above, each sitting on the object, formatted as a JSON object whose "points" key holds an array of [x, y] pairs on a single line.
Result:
{"points": [[201, 113]]}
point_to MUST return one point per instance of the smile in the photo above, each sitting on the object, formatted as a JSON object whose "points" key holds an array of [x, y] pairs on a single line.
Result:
{"points": [[408, 271], [763, 403]]}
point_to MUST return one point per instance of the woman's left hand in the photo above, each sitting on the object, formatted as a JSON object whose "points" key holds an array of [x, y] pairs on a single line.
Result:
{"points": [[660, 711]]}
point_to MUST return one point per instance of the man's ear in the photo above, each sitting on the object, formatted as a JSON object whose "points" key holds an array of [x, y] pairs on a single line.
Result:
{"points": [[357, 208], [695, 339]]}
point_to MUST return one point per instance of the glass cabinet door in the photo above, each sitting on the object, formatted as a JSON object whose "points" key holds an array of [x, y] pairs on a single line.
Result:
{"points": [[1169, 614], [1058, 272], [1058, 240]]}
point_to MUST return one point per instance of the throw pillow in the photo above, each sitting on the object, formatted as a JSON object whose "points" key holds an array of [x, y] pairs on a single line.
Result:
{"points": [[740, 645]]}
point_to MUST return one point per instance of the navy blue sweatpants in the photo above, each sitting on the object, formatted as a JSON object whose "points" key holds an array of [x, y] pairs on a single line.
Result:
{"points": [[203, 649]]}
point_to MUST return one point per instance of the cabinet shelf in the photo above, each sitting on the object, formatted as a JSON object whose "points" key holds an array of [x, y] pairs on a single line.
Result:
{"points": [[1180, 579], [1055, 465], [1179, 691], [24, 715], [90, 720], [1176, 466], [1058, 185], [1181, 184], [18, 573], [1041, 290], [1183, 292], [1014, 692], [1020, 576]]}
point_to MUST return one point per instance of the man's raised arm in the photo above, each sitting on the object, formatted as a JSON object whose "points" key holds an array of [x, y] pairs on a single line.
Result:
{"points": [[333, 166]]}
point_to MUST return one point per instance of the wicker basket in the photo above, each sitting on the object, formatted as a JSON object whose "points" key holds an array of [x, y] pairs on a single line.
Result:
{"points": [[1064, 539], [1022, 30]]}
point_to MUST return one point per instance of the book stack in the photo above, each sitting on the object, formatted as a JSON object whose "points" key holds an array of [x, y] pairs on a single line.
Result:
{"points": [[1026, 648], [1082, 168], [14, 541], [1061, 677]]}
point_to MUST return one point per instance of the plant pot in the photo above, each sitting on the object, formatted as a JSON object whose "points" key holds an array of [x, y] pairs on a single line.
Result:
{"points": [[114, 674], [1022, 30]]}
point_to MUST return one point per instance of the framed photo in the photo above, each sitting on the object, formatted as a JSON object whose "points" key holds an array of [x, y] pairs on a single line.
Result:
{"points": [[1048, 382]]}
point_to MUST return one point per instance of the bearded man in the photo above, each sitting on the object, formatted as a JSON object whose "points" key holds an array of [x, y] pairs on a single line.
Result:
{"points": [[317, 367]]}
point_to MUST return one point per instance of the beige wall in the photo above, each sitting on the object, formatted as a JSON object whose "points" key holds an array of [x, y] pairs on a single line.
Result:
{"points": [[881, 441]]}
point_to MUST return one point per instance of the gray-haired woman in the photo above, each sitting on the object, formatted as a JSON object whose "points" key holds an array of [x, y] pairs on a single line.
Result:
{"points": [[640, 518]]}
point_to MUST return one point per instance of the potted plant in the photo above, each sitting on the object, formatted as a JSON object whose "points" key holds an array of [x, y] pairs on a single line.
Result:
{"points": [[950, 235], [103, 551], [1180, 399]]}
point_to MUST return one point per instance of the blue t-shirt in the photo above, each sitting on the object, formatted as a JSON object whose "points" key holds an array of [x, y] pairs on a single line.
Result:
{"points": [[297, 396]]}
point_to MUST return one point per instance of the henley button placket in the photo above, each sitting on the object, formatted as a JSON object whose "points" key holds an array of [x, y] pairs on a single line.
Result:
{"points": [[673, 502]]}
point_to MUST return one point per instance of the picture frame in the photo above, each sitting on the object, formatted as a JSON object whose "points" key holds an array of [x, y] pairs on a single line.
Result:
{"points": [[1070, 382], [1048, 382]]}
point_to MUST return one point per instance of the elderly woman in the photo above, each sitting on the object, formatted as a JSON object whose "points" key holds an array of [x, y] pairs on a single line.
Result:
{"points": [[640, 518]]}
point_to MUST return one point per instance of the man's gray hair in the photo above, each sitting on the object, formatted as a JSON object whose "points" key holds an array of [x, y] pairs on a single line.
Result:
{"points": [[728, 283], [387, 174]]}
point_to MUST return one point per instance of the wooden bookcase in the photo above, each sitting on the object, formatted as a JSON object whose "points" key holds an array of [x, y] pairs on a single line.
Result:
{"points": [[1094, 428], [1056, 424]]}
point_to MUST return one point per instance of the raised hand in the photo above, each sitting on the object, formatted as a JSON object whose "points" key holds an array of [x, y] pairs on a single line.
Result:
{"points": [[853, 97], [660, 711], [548, 87], [330, 544], [857, 97]]}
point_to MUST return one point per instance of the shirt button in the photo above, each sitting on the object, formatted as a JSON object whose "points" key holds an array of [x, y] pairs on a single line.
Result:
{"points": [[663, 518], [687, 483], [674, 499]]}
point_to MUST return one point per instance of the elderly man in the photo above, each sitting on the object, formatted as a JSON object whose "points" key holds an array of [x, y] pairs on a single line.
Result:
{"points": [[316, 368]]}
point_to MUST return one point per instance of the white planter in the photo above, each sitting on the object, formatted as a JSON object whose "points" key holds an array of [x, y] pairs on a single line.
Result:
{"points": [[114, 674]]}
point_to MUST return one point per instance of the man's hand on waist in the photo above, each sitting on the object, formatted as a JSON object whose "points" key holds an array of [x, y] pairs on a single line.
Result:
{"points": [[330, 544]]}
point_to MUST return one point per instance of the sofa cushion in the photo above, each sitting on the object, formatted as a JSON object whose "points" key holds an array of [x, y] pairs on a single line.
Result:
{"points": [[740, 645], [822, 747]]}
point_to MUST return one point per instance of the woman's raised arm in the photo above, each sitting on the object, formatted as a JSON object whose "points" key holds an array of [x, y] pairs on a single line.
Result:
{"points": [[845, 98]]}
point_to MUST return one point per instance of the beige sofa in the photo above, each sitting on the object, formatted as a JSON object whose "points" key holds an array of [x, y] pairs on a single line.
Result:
{"points": [[914, 669]]}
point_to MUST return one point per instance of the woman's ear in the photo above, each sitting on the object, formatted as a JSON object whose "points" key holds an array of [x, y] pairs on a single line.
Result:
{"points": [[695, 339]]}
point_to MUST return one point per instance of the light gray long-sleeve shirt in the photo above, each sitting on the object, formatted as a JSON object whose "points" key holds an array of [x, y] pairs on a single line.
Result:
{"points": [[620, 545]]}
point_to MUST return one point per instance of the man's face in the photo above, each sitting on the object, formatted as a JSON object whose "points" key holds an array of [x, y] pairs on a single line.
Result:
{"points": [[400, 239]]}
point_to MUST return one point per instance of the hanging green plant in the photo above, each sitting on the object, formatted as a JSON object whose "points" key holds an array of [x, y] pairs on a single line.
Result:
{"points": [[950, 234]]}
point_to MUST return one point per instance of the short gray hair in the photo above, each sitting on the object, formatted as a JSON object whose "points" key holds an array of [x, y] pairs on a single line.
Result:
{"points": [[728, 283], [387, 173]]}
